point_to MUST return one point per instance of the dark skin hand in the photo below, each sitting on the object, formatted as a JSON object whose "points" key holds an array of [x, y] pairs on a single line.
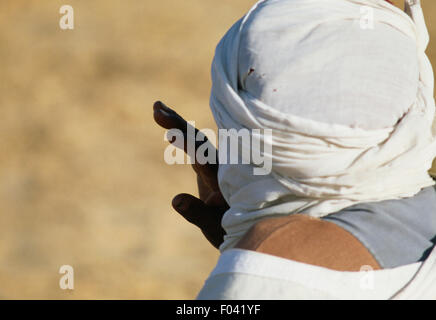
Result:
{"points": [[206, 211]]}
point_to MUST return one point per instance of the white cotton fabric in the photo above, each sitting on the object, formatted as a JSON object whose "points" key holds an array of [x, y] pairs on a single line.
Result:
{"points": [[360, 78], [351, 109], [246, 275]]}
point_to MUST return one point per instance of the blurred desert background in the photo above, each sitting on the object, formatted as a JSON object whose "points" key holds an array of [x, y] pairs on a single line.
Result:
{"points": [[82, 176]]}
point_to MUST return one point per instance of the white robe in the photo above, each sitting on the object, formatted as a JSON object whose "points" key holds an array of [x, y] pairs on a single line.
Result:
{"points": [[248, 275]]}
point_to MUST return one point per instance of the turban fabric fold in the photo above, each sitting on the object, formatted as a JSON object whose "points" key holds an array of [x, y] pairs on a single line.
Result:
{"points": [[351, 108]]}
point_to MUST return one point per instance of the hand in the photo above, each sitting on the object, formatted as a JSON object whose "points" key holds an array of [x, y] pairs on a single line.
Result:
{"points": [[205, 212]]}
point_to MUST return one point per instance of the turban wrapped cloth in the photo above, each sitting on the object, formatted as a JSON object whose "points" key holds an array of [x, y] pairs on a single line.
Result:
{"points": [[350, 107]]}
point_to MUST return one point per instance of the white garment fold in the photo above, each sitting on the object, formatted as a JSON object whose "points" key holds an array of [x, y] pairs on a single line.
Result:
{"points": [[319, 166], [248, 275]]}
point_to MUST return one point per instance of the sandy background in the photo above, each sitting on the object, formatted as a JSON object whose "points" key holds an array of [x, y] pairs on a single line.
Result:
{"points": [[82, 176]]}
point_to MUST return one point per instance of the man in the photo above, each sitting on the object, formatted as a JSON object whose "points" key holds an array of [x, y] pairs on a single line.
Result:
{"points": [[297, 237]]}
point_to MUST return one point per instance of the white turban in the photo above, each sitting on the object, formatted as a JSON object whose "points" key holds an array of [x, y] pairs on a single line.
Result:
{"points": [[351, 108]]}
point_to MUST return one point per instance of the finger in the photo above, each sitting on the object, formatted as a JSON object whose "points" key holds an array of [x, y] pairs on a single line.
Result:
{"points": [[169, 119], [196, 211], [207, 218], [191, 208]]}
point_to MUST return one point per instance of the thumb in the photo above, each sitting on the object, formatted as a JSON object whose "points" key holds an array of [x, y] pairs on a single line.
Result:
{"points": [[191, 208]]}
